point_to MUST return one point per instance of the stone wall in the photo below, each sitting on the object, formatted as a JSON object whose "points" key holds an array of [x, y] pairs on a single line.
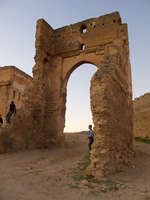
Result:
{"points": [[12, 84], [112, 113], [142, 116]]}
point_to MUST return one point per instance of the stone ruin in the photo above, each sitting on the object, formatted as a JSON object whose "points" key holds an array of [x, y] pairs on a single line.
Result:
{"points": [[12, 84], [141, 109], [103, 42]]}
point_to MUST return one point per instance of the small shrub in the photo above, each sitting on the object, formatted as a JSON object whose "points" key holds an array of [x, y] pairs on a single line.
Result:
{"points": [[145, 140]]}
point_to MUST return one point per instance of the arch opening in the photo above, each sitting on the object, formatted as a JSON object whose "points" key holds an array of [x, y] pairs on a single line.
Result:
{"points": [[78, 110]]}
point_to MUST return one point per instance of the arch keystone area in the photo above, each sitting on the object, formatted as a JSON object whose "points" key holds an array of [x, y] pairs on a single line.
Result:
{"points": [[101, 41]]}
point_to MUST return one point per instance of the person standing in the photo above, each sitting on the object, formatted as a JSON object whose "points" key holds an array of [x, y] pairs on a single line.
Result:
{"points": [[90, 137], [12, 107], [12, 110]]}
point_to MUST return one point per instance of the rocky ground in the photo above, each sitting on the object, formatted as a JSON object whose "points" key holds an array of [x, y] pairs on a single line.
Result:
{"points": [[58, 174]]}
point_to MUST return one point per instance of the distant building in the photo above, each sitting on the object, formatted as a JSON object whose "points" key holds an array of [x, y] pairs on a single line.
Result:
{"points": [[12, 84]]}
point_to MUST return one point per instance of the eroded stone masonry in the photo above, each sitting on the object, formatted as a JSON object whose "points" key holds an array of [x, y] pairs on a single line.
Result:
{"points": [[103, 42], [12, 84]]}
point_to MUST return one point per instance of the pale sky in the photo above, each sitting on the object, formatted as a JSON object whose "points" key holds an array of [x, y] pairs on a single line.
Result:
{"points": [[17, 43]]}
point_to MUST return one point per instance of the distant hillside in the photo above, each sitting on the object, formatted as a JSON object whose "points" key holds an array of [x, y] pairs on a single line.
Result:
{"points": [[142, 116]]}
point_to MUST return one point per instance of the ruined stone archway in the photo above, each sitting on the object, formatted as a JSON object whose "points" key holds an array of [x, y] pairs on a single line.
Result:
{"points": [[102, 41]]}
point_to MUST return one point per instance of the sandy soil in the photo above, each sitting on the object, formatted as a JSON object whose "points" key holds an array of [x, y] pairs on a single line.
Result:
{"points": [[48, 175]]}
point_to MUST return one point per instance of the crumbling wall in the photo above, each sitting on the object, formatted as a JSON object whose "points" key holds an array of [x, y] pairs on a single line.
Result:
{"points": [[28, 129], [38, 123], [112, 112], [142, 116], [12, 84]]}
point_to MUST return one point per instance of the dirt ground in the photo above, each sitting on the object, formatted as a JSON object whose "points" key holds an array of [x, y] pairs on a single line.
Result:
{"points": [[52, 175]]}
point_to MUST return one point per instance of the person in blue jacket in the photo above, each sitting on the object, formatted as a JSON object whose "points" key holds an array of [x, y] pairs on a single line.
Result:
{"points": [[90, 137], [12, 110]]}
